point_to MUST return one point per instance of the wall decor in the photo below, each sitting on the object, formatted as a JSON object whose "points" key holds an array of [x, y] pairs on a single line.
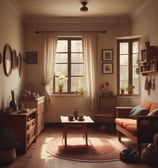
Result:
{"points": [[107, 55], [7, 60], [31, 57], [107, 68], [14, 59], [20, 64]]}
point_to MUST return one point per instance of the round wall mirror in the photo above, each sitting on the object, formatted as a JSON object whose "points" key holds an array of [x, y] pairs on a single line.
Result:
{"points": [[7, 60]]}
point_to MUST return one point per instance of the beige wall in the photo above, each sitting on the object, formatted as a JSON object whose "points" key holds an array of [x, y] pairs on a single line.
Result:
{"points": [[63, 105], [145, 23], [10, 33]]}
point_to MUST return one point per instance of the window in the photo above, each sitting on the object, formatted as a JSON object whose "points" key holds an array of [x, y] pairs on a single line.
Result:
{"points": [[128, 56], [69, 63]]}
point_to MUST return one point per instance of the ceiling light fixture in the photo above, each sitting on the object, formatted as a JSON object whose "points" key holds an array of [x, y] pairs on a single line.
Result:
{"points": [[84, 8]]}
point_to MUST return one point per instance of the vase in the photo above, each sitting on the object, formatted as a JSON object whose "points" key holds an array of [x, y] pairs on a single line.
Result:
{"points": [[12, 103], [60, 91], [75, 113], [7, 156]]}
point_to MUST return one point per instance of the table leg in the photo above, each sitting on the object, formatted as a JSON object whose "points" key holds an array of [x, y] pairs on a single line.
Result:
{"points": [[65, 135], [85, 134]]}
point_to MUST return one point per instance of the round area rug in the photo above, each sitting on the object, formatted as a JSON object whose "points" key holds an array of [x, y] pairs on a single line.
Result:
{"points": [[98, 149]]}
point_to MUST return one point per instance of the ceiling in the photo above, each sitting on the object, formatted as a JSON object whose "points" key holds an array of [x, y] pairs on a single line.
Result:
{"points": [[71, 8]]}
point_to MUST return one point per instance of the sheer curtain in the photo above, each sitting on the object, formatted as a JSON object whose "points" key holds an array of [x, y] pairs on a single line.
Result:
{"points": [[49, 43], [90, 60]]}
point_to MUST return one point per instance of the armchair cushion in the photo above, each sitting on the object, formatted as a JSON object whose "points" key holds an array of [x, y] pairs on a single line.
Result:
{"points": [[153, 112], [137, 111]]}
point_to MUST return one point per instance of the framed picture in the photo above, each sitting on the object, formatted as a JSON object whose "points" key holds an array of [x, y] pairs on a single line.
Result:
{"points": [[107, 55], [31, 57], [107, 68]]}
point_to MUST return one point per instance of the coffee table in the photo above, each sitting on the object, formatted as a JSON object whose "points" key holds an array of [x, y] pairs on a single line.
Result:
{"points": [[67, 125]]}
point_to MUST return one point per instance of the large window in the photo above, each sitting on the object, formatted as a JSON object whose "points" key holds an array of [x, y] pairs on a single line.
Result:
{"points": [[69, 64], [128, 56]]}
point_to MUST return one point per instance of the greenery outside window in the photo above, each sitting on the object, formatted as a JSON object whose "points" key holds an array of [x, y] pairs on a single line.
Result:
{"points": [[69, 64], [128, 56]]}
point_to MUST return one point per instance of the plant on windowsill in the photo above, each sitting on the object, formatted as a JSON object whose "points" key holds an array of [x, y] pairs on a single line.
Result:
{"points": [[130, 89], [61, 82], [122, 90], [81, 89]]}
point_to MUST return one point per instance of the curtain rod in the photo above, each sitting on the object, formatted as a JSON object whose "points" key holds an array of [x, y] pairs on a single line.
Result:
{"points": [[37, 31]]}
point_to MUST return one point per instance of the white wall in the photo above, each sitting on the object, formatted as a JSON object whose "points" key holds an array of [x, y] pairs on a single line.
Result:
{"points": [[63, 105], [10, 33], [145, 23]]}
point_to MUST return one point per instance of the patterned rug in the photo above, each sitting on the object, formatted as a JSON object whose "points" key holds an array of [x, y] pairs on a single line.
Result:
{"points": [[98, 149]]}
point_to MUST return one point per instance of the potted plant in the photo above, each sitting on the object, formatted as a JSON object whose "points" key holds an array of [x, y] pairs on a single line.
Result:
{"points": [[81, 89], [7, 146], [130, 89], [61, 81], [122, 90]]}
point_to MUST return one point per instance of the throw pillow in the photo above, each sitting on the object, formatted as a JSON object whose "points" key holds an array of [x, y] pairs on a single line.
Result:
{"points": [[153, 112], [137, 111]]}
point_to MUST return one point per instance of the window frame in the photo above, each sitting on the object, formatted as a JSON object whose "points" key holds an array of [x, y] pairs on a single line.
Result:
{"points": [[130, 68], [69, 63]]}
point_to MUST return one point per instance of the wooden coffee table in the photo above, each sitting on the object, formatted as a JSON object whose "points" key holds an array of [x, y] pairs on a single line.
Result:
{"points": [[69, 124]]}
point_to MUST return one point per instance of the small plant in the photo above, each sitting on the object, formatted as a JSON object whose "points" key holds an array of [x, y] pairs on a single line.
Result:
{"points": [[7, 139], [61, 81], [130, 89], [81, 89], [122, 90]]}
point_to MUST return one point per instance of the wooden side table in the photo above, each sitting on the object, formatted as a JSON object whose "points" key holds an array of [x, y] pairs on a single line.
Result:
{"points": [[106, 115], [69, 124]]}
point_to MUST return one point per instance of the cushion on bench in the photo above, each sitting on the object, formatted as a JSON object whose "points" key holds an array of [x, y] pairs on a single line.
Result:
{"points": [[127, 123], [137, 111]]}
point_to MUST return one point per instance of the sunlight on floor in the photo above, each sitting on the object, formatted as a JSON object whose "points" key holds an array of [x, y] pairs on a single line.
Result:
{"points": [[44, 154]]}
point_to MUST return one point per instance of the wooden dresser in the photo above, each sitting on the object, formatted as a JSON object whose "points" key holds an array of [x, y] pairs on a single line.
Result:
{"points": [[23, 124], [39, 104]]}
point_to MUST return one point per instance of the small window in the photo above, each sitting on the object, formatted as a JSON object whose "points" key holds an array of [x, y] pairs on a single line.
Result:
{"points": [[69, 64], [128, 56]]}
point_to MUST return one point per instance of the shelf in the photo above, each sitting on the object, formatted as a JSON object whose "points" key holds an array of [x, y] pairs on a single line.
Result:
{"points": [[148, 72]]}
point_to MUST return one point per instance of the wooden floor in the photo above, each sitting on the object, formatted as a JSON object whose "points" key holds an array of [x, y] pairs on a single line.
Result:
{"points": [[37, 157]]}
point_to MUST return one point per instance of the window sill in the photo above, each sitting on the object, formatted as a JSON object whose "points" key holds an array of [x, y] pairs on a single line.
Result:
{"points": [[68, 95]]}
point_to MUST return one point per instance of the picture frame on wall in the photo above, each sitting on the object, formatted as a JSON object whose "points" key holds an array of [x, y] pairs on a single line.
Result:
{"points": [[107, 68], [107, 55], [31, 57]]}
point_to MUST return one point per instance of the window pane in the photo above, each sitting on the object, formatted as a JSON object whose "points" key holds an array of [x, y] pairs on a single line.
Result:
{"points": [[124, 72], [61, 69], [61, 58], [76, 46], [62, 46], [77, 69], [77, 58], [124, 48], [76, 82], [135, 48], [123, 59], [135, 59]]}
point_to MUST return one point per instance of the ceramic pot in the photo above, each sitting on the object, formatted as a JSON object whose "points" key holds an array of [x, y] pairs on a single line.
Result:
{"points": [[7, 156]]}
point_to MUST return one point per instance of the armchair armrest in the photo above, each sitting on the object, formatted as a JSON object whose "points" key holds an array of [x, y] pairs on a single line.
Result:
{"points": [[147, 126], [123, 112]]}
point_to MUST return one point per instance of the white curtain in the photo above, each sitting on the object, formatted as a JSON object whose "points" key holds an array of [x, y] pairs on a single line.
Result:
{"points": [[90, 60], [49, 43]]}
